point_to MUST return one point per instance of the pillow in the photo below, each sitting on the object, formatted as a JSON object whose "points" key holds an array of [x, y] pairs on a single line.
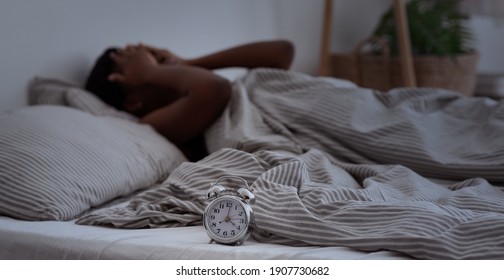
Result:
{"points": [[57, 162], [47, 91], [83, 100], [56, 92]]}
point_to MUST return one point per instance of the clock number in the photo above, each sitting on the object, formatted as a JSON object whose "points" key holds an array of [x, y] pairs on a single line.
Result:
{"points": [[221, 205], [216, 210], [212, 217], [214, 224], [229, 204], [233, 232]]}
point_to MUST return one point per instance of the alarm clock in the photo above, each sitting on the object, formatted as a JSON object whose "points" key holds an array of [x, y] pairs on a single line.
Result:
{"points": [[228, 218]]}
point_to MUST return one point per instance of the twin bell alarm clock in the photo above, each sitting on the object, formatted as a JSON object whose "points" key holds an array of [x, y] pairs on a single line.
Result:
{"points": [[228, 217]]}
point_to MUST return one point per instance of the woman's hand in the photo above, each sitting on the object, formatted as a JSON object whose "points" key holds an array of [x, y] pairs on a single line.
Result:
{"points": [[164, 56], [133, 65]]}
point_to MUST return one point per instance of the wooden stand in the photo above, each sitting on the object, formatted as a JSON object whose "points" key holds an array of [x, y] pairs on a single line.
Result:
{"points": [[326, 38], [407, 66]]}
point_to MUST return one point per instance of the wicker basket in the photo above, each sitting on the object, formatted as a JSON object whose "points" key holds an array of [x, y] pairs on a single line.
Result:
{"points": [[383, 72]]}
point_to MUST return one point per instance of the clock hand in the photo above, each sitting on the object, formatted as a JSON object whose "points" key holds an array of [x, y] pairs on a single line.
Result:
{"points": [[234, 216], [227, 218]]}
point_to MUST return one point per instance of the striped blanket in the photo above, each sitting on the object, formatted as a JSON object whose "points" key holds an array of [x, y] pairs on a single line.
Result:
{"points": [[415, 171]]}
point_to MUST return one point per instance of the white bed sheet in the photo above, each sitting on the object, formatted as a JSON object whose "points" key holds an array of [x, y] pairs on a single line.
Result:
{"points": [[67, 240]]}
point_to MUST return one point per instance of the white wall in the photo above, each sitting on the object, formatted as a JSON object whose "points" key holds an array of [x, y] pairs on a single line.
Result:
{"points": [[354, 20], [62, 38], [489, 41]]}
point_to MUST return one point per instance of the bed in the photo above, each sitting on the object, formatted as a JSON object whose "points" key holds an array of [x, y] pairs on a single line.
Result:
{"points": [[339, 172]]}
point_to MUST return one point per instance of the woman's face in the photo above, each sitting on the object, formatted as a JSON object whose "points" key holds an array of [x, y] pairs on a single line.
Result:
{"points": [[143, 99]]}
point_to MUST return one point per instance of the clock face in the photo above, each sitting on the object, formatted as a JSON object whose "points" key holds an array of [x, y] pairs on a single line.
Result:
{"points": [[227, 219]]}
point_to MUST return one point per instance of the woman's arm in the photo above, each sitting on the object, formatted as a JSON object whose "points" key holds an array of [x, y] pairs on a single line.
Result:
{"points": [[273, 54], [204, 94]]}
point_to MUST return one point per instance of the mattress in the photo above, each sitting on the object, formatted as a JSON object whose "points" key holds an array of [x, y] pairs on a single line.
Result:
{"points": [[67, 240]]}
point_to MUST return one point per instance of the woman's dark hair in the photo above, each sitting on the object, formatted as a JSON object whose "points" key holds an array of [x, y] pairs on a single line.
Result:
{"points": [[99, 84]]}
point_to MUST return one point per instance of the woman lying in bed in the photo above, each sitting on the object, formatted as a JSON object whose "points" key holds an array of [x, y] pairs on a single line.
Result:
{"points": [[180, 98]]}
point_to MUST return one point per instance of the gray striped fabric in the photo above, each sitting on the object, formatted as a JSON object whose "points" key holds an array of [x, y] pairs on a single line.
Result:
{"points": [[58, 162], [47, 91], [406, 171]]}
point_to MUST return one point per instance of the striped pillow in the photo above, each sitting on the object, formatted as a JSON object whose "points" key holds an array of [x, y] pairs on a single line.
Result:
{"points": [[81, 99], [47, 91], [55, 92], [57, 162]]}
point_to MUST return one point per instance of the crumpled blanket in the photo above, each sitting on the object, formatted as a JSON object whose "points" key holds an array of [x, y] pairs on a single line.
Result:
{"points": [[415, 171]]}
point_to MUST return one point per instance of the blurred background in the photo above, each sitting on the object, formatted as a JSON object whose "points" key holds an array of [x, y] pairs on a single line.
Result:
{"points": [[62, 38]]}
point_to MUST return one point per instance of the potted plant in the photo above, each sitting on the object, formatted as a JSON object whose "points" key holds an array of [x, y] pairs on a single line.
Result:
{"points": [[440, 43], [436, 27]]}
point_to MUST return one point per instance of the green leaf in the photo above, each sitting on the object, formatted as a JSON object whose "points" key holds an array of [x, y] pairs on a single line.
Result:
{"points": [[436, 27]]}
